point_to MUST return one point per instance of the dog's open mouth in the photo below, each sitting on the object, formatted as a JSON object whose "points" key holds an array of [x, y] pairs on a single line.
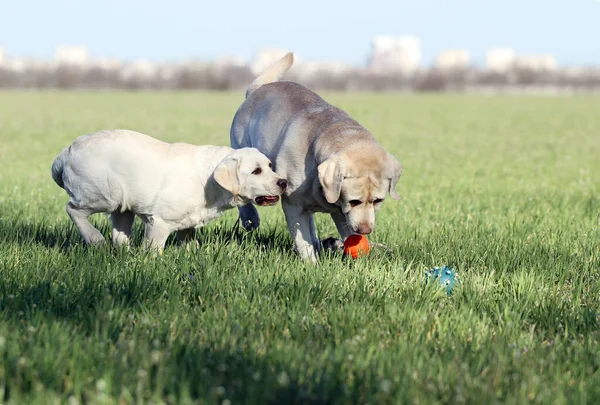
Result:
{"points": [[266, 200]]}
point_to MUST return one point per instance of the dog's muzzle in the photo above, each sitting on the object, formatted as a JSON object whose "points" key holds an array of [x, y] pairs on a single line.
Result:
{"points": [[265, 200]]}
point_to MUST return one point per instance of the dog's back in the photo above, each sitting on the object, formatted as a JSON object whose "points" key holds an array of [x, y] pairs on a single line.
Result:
{"points": [[286, 115]]}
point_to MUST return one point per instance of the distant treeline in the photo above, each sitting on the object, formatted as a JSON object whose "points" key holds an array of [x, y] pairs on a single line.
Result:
{"points": [[229, 78]]}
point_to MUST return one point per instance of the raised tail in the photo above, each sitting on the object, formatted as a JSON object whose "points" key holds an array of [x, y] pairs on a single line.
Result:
{"points": [[273, 73], [57, 168]]}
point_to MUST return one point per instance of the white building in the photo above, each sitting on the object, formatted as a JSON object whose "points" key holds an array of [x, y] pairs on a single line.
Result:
{"points": [[574, 72], [71, 55], [500, 60], [395, 54], [1, 56], [167, 71], [106, 63], [195, 65], [536, 62], [227, 61], [139, 69], [17, 65], [265, 58], [453, 59], [306, 70]]}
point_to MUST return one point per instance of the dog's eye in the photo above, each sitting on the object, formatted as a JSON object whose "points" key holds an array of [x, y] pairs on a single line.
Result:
{"points": [[270, 165], [354, 203], [378, 201], [257, 171]]}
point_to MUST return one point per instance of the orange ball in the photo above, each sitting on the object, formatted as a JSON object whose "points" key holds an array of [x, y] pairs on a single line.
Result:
{"points": [[356, 245]]}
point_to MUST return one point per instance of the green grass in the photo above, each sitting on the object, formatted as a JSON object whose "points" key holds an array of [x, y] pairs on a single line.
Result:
{"points": [[506, 190]]}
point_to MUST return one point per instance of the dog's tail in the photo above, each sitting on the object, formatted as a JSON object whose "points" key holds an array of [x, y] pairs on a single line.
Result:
{"points": [[57, 168], [273, 73]]}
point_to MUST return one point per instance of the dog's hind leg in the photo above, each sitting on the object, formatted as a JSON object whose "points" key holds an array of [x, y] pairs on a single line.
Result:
{"points": [[79, 216], [249, 217], [122, 223]]}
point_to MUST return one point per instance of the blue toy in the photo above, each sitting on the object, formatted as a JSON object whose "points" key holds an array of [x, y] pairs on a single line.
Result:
{"points": [[446, 275]]}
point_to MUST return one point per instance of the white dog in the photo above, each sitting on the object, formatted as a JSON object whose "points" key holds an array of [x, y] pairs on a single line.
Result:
{"points": [[171, 187], [331, 162]]}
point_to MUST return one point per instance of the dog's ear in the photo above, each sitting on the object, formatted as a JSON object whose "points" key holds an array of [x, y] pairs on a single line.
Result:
{"points": [[331, 177], [396, 172], [227, 175]]}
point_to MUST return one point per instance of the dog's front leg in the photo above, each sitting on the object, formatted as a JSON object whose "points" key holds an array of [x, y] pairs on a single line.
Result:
{"points": [[342, 225], [302, 227], [249, 217], [334, 244]]}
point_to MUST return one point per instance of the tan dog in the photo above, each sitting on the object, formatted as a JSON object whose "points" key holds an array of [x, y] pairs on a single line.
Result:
{"points": [[171, 187], [331, 162]]}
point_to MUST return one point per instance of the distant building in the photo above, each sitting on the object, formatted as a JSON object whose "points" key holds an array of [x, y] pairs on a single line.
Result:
{"points": [[266, 58], [576, 71], [168, 71], [536, 62], [453, 59], [194, 65], [17, 65], [1, 56], [500, 60], [71, 55], [138, 70], [395, 54], [106, 63], [310, 69], [226, 61]]}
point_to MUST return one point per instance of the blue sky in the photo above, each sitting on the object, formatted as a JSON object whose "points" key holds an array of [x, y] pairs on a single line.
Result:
{"points": [[314, 29]]}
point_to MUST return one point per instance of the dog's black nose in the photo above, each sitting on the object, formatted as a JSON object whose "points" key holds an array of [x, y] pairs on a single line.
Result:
{"points": [[282, 183]]}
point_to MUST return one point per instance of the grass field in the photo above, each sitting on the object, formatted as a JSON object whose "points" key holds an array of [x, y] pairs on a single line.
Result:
{"points": [[506, 190]]}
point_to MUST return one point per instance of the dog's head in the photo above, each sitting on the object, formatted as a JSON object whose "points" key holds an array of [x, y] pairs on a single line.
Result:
{"points": [[247, 174], [358, 180]]}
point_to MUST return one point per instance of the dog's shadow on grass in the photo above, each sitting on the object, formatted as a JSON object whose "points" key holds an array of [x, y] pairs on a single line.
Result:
{"points": [[64, 235], [272, 238], [82, 302], [22, 232]]}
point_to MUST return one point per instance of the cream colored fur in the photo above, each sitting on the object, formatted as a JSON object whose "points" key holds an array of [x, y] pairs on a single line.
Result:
{"points": [[171, 187]]}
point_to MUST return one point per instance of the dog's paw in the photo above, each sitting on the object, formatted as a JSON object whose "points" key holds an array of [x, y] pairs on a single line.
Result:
{"points": [[95, 241], [332, 244], [250, 225]]}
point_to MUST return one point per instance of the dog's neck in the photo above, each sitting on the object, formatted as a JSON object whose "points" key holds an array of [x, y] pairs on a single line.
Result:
{"points": [[217, 196]]}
